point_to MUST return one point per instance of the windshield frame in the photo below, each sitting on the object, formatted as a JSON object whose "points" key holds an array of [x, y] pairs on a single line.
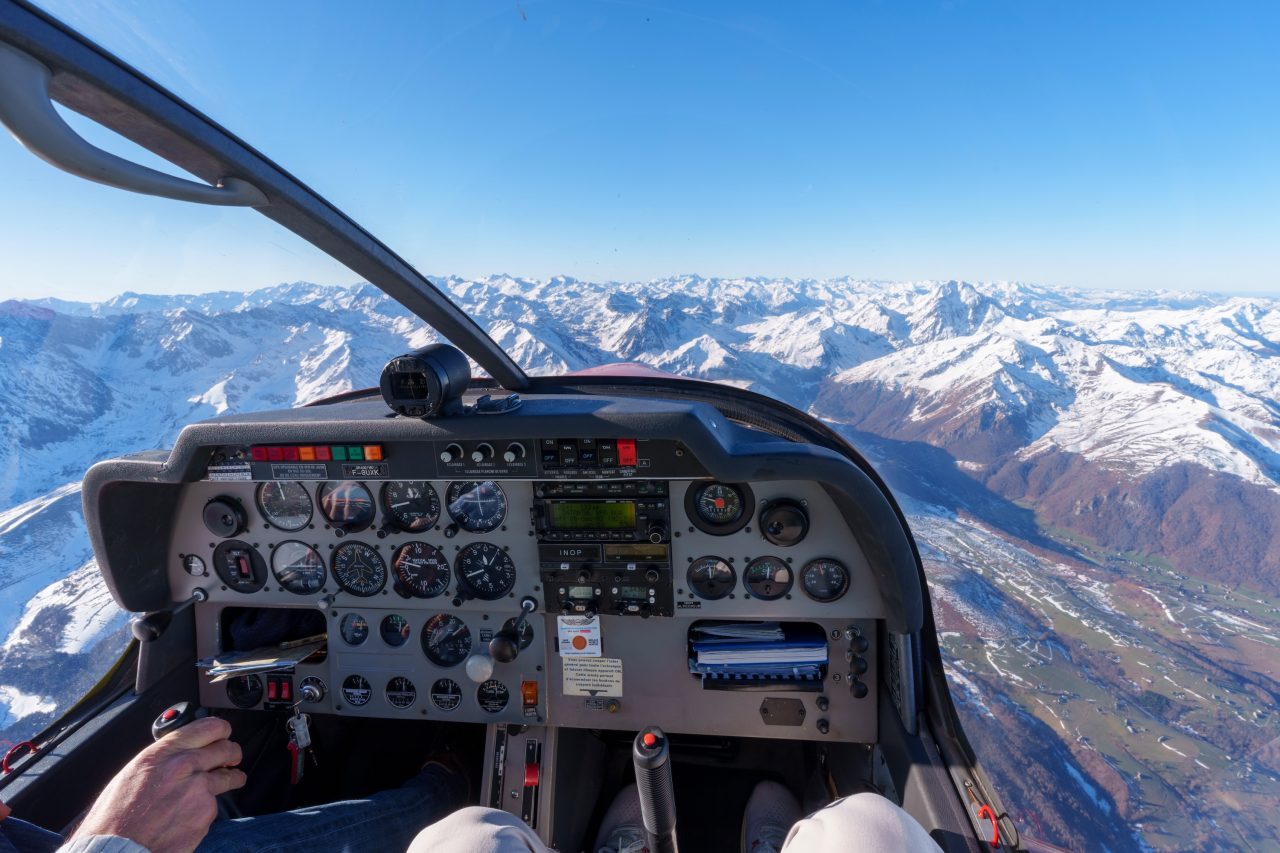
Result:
{"points": [[104, 89]]}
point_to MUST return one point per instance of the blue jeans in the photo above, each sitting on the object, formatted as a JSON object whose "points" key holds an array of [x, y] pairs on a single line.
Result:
{"points": [[386, 821]]}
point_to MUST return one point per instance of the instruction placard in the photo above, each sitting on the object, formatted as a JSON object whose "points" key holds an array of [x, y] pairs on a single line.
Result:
{"points": [[579, 636], [592, 676]]}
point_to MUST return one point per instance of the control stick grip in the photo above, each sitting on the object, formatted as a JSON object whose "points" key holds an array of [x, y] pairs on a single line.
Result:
{"points": [[651, 754], [175, 717]]}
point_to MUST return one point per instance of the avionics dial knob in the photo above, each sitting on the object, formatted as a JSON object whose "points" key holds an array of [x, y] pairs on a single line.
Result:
{"points": [[513, 453], [452, 453], [657, 532], [483, 452]]}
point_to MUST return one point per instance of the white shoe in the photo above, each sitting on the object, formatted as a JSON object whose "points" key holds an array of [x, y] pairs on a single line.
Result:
{"points": [[622, 830], [771, 812]]}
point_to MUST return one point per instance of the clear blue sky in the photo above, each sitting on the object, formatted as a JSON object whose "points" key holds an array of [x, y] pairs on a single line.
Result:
{"points": [[1083, 144]]}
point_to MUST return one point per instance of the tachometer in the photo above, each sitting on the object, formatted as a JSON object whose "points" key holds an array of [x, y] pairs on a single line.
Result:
{"points": [[359, 569], [298, 568], [492, 696], [718, 508], [421, 570], [347, 505], [285, 505], [411, 504], [477, 506], [824, 579], [486, 571], [711, 577], [446, 640], [401, 693], [768, 577]]}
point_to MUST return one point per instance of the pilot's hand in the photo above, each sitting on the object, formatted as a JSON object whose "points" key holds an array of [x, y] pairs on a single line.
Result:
{"points": [[164, 798]]}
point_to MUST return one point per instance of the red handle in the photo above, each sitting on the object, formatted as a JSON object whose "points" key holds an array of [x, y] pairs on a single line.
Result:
{"points": [[987, 812], [11, 755]]}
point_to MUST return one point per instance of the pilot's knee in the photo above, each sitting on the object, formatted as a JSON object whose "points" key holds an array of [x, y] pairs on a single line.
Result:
{"points": [[476, 829]]}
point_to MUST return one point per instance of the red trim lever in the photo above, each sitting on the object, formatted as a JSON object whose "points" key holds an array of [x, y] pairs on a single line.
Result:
{"points": [[985, 811]]}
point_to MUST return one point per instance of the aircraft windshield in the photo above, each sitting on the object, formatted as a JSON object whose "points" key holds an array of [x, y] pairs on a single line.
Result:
{"points": [[1023, 258]]}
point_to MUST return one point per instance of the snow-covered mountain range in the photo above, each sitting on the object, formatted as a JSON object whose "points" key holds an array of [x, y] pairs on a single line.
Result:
{"points": [[1096, 435]]}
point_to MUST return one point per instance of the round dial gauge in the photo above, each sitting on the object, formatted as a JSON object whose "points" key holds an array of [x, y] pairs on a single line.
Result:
{"points": [[486, 570], [285, 505], [421, 570], [446, 640], [354, 629], [347, 505], [240, 566], [401, 693], [298, 568], [245, 691], [768, 577], [356, 691], [477, 506], [824, 579], [712, 577], [412, 504], [492, 696], [719, 504], [359, 569], [194, 565], [395, 630], [446, 694]]}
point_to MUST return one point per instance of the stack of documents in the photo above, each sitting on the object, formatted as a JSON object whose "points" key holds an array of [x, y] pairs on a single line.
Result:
{"points": [[757, 651], [282, 657]]}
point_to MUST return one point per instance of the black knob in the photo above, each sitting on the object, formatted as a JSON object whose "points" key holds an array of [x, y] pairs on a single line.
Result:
{"points": [[452, 453], [823, 704], [651, 576], [859, 644], [584, 577], [856, 687], [514, 452], [858, 665], [483, 452], [224, 517], [657, 532], [504, 646], [823, 727]]}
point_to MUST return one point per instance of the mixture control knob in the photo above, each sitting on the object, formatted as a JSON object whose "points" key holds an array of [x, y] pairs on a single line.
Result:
{"points": [[452, 453], [657, 532], [514, 452], [483, 452]]}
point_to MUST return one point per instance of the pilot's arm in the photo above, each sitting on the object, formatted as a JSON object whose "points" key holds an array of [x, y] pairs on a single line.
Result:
{"points": [[165, 798]]}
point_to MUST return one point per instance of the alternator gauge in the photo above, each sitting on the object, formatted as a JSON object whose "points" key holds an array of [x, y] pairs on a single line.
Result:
{"points": [[711, 578], [824, 579], [285, 505], [395, 630], [298, 568], [412, 505], [421, 570], [347, 505], [401, 693], [486, 571], [354, 629], [768, 578], [492, 696], [446, 694], [356, 690], [718, 508], [477, 506], [446, 640], [359, 569]]}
